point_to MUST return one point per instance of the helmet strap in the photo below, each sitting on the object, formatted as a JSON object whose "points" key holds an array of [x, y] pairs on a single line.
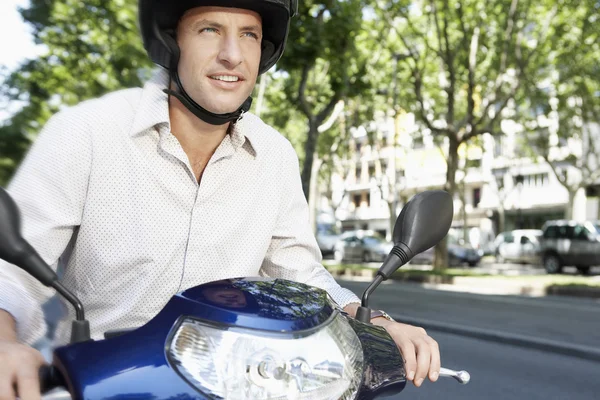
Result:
{"points": [[185, 99]]}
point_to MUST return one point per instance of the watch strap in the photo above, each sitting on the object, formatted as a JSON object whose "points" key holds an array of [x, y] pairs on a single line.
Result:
{"points": [[381, 313]]}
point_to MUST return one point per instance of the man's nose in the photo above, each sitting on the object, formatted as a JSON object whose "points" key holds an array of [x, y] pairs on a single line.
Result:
{"points": [[231, 51]]}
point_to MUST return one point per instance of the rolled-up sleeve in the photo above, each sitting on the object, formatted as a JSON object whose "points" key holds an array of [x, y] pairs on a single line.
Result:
{"points": [[293, 252], [49, 189]]}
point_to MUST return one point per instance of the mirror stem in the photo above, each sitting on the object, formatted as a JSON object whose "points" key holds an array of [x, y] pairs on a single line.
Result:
{"points": [[79, 315], [80, 329], [363, 313]]}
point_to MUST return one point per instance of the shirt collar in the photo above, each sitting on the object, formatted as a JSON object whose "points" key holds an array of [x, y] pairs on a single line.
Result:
{"points": [[153, 110]]}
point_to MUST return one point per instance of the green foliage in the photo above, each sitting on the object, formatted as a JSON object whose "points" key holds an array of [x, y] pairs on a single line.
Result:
{"points": [[278, 113], [468, 64], [331, 48], [93, 47], [567, 102]]}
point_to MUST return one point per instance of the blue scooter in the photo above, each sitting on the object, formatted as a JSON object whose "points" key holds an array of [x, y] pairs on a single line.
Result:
{"points": [[245, 338]]}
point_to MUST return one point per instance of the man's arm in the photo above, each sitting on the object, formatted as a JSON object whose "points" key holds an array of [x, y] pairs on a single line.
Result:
{"points": [[295, 255], [293, 252], [49, 188], [8, 329]]}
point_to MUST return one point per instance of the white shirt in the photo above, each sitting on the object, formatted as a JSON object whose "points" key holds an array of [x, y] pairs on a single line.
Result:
{"points": [[108, 192]]}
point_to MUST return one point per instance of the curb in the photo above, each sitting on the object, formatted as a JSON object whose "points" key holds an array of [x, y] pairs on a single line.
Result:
{"points": [[573, 291], [466, 284], [579, 351]]}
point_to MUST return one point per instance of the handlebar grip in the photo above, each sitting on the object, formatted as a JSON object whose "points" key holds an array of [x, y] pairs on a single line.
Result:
{"points": [[50, 378]]}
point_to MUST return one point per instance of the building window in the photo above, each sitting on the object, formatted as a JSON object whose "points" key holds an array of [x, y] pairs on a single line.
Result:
{"points": [[356, 200], [418, 142], [383, 167], [476, 163], [371, 171], [498, 151], [536, 180], [358, 173], [368, 199], [563, 141], [476, 197], [358, 147]]}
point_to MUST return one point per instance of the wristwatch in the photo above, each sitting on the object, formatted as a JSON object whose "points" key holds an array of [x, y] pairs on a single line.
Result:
{"points": [[381, 313]]}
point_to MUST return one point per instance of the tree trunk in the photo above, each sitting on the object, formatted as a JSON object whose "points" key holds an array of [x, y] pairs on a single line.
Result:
{"points": [[310, 147], [569, 208], [501, 219], [261, 94], [393, 216], [313, 198], [441, 249], [463, 207]]}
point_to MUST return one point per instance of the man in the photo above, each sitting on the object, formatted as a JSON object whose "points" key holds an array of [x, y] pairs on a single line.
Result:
{"points": [[146, 192]]}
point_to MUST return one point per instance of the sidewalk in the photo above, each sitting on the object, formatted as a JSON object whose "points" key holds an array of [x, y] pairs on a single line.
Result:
{"points": [[492, 279]]}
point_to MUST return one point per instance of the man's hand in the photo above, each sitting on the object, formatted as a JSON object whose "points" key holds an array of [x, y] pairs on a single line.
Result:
{"points": [[19, 366], [421, 353]]}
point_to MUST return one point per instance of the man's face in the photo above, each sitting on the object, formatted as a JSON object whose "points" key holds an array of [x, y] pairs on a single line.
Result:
{"points": [[220, 56], [228, 297]]}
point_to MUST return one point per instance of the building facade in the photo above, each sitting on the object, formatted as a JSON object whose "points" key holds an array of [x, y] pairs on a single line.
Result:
{"points": [[499, 187]]}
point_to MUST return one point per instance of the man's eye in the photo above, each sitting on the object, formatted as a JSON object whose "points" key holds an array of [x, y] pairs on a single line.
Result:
{"points": [[251, 34], [208, 30]]}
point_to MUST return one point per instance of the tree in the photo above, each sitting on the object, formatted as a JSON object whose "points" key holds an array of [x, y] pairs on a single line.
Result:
{"points": [[469, 63], [568, 105], [93, 47], [329, 48]]}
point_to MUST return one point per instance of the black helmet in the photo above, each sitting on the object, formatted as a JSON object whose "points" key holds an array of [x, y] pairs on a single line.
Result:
{"points": [[160, 17], [158, 24]]}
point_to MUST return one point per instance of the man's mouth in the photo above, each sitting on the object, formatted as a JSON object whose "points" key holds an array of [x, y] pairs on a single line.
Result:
{"points": [[226, 78]]}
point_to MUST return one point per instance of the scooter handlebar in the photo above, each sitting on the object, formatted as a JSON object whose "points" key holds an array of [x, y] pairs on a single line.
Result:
{"points": [[50, 378]]}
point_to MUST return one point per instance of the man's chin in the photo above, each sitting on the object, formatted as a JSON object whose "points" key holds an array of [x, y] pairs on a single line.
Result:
{"points": [[223, 108]]}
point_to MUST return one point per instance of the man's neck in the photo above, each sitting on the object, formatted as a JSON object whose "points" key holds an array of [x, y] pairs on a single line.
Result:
{"points": [[198, 139]]}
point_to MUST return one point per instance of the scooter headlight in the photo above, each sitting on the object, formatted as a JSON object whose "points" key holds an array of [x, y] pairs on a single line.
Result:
{"points": [[233, 363]]}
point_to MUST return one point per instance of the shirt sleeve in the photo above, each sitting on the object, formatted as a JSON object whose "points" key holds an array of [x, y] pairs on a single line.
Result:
{"points": [[50, 190], [294, 253]]}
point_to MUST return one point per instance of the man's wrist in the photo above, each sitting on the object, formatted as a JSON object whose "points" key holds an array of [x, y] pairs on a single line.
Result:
{"points": [[381, 314], [8, 326], [351, 309]]}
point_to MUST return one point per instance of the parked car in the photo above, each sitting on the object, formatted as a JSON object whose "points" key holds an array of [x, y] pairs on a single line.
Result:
{"points": [[520, 246], [365, 246], [458, 254], [327, 236], [567, 242]]}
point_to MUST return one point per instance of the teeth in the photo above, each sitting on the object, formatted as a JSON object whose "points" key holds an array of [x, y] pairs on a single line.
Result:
{"points": [[226, 78]]}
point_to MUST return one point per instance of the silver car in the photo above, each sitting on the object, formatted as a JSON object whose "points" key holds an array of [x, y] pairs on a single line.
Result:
{"points": [[365, 246], [458, 254], [327, 236], [568, 242], [519, 246]]}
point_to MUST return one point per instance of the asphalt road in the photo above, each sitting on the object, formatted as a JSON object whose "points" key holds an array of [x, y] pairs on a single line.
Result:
{"points": [[499, 370], [503, 372], [574, 321]]}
